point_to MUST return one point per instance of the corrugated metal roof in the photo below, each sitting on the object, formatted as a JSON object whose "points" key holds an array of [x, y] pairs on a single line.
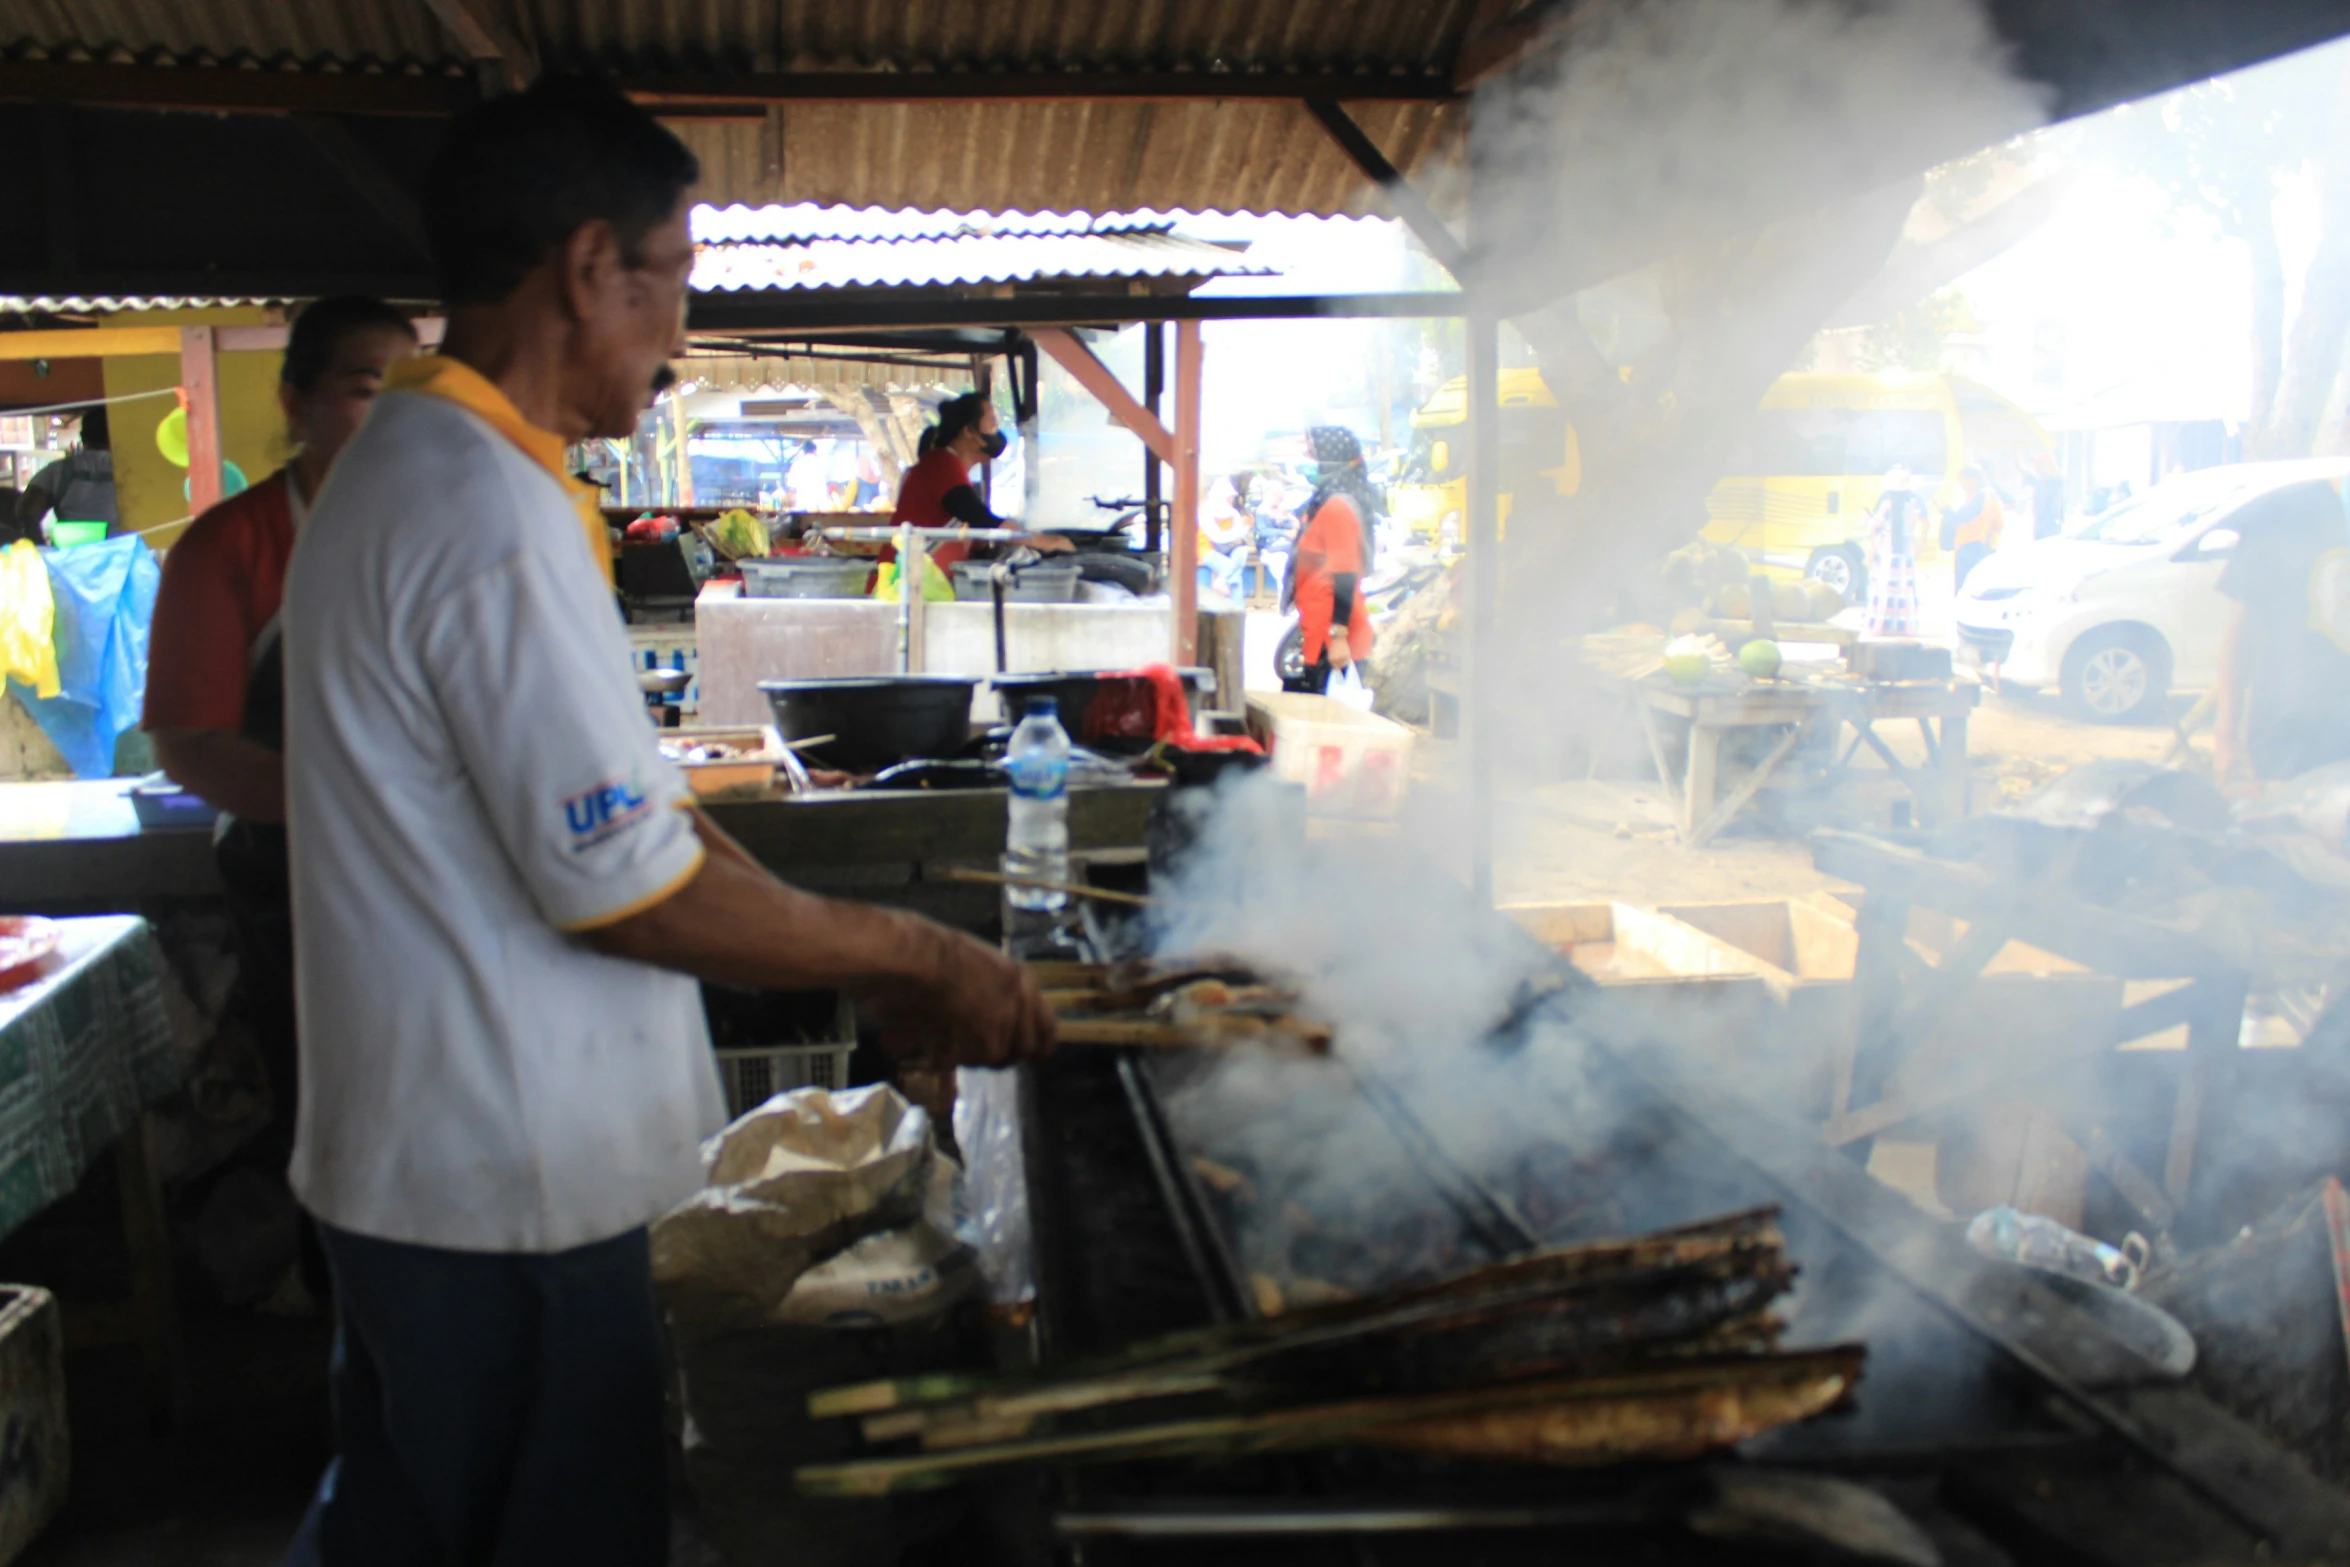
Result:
{"points": [[765, 372], [111, 304], [1202, 155], [1220, 156], [962, 259], [806, 221]]}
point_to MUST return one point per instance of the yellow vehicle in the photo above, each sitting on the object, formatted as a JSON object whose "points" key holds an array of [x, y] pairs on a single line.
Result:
{"points": [[1802, 480]]}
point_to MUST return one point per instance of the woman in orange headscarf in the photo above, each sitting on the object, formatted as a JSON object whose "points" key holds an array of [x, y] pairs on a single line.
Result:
{"points": [[1334, 553]]}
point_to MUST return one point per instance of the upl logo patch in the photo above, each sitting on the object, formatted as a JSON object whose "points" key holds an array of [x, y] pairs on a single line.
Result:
{"points": [[596, 814]]}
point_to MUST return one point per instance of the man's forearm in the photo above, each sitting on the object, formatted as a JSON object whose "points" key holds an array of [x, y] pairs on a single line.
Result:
{"points": [[737, 924], [241, 776]]}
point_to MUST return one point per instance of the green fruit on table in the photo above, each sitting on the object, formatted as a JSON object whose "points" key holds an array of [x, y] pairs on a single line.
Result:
{"points": [[1687, 668], [1759, 658]]}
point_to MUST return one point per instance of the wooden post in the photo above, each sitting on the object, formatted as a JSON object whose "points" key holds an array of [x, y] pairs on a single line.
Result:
{"points": [[1154, 385], [685, 462], [200, 377], [1183, 546], [1483, 533]]}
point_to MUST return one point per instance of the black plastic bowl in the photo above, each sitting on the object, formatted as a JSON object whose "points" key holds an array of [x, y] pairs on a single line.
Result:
{"points": [[876, 721]]}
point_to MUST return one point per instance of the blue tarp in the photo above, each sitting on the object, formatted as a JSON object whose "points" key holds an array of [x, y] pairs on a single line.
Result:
{"points": [[105, 602]]}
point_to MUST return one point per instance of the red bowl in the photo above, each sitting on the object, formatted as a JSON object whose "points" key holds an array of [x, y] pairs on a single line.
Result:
{"points": [[26, 940]]}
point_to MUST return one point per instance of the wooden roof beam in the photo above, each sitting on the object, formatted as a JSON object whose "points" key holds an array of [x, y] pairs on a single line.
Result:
{"points": [[488, 41], [1071, 354], [1498, 36], [1032, 87], [1417, 215], [221, 90]]}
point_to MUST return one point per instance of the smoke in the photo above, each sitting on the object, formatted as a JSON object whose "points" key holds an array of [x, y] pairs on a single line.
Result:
{"points": [[1648, 127], [1740, 167], [1744, 166]]}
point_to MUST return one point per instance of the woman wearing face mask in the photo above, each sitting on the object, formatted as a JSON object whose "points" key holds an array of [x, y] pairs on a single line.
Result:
{"points": [[215, 695], [937, 491], [1334, 552]]}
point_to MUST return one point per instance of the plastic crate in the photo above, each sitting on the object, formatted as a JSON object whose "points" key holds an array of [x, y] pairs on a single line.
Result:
{"points": [[38, 1452], [752, 1077], [754, 1074]]}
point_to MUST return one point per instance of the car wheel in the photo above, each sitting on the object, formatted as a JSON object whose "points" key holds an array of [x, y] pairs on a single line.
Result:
{"points": [[1840, 568], [2117, 675]]}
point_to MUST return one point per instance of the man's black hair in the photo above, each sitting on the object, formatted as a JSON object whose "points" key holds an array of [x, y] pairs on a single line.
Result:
{"points": [[321, 327], [518, 175], [94, 435]]}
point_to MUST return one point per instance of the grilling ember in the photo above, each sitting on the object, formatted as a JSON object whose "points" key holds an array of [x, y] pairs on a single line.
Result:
{"points": [[1658, 1347]]}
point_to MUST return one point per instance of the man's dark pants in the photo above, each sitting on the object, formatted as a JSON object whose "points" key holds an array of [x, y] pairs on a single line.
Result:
{"points": [[492, 1407]]}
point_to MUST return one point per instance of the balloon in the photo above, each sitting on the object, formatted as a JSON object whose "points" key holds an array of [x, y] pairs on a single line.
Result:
{"points": [[232, 480], [171, 437]]}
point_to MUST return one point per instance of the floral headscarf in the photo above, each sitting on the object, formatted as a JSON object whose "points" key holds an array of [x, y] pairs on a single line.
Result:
{"points": [[1341, 455]]}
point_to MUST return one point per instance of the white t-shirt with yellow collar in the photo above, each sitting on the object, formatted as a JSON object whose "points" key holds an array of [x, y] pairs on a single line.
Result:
{"points": [[471, 781]]}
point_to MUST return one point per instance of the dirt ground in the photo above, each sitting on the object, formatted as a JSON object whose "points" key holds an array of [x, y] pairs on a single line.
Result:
{"points": [[1612, 837]]}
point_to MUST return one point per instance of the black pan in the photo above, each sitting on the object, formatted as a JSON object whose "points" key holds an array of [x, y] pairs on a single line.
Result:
{"points": [[876, 721]]}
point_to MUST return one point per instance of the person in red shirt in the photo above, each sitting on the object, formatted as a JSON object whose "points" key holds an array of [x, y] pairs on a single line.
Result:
{"points": [[1334, 552], [215, 698], [937, 491]]}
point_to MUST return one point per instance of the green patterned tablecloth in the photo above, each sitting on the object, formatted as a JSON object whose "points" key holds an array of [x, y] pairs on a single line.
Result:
{"points": [[82, 1051]]}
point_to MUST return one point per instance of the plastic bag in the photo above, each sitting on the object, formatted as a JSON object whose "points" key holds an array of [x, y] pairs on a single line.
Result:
{"points": [[1346, 685], [936, 589], [104, 598], [995, 1182], [28, 620], [791, 1184], [893, 1277]]}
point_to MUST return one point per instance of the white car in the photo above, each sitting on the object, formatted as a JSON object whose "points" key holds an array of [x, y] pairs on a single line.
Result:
{"points": [[2123, 607]]}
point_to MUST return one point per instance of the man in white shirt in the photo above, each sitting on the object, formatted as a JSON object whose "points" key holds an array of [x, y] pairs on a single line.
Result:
{"points": [[501, 890]]}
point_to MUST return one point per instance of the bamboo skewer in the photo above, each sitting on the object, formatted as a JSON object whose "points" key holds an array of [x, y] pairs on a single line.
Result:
{"points": [[1075, 889]]}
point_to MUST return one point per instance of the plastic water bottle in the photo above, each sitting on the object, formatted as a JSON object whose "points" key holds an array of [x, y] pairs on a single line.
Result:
{"points": [[1036, 840], [2040, 1242]]}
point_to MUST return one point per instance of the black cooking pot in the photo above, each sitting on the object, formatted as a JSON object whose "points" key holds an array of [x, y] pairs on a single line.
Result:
{"points": [[876, 721]]}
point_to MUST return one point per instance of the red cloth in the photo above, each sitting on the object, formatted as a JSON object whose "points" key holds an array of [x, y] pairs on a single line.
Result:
{"points": [[1331, 547], [1169, 715], [922, 502], [222, 583]]}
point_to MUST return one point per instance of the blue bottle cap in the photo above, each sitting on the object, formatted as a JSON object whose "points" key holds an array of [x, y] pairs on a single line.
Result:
{"points": [[1042, 707]]}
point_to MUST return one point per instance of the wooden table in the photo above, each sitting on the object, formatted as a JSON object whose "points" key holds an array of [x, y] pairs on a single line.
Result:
{"points": [[1897, 1073], [84, 1050], [1806, 705]]}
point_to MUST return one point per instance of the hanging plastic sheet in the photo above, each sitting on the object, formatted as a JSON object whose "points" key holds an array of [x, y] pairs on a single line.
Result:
{"points": [[28, 620], [104, 602]]}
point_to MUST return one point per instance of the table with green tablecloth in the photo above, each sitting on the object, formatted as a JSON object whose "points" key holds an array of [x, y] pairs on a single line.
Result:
{"points": [[85, 1048]]}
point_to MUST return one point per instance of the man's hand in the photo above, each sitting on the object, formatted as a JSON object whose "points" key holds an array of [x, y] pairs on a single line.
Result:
{"points": [[976, 1007], [938, 995]]}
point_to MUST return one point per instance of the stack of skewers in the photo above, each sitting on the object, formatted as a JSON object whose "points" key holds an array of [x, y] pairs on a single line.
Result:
{"points": [[1662, 1347], [1212, 1003]]}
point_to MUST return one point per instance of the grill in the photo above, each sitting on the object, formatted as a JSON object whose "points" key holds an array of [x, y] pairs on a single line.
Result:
{"points": [[1994, 1416]]}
